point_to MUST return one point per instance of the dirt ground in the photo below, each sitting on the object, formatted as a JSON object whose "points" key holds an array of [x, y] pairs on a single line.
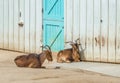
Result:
{"points": [[10, 73]]}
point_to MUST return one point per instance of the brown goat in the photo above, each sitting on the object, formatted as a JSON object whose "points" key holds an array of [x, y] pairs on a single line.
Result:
{"points": [[69, 55], [34, 60]]}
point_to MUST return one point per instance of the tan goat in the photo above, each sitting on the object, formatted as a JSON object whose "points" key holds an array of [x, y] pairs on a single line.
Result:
{"points": [[69, 55]]}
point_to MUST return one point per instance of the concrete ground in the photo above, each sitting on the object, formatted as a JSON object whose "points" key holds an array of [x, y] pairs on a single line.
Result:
{"points": [[82, 72], [104, 68]]}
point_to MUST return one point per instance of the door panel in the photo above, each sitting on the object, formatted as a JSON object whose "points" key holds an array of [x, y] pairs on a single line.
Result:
{"points": [[53, 23], [53, 10]]}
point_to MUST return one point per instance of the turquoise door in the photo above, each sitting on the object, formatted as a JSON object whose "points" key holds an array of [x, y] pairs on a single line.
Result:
{"points": [[53, 24]]}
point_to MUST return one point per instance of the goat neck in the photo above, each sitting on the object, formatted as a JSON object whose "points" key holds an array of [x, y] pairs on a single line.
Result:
{"points": [[42, 57]]}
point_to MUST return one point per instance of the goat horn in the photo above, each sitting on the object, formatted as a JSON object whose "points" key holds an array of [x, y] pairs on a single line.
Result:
{"points": [[47, 47], [78, 42], [78, 39]]}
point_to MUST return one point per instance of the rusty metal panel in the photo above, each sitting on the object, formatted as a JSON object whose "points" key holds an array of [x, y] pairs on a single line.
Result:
{"points": [[103, 36], [111, 31], [97, 23], [83, 25], [89, 30], [117, 59], [97, 27]]}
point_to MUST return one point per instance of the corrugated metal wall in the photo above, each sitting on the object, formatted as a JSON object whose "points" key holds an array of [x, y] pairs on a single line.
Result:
{"points": [[27, 38], [97, 24]]}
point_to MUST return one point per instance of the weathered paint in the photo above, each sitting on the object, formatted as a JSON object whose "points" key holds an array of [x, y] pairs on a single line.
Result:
{"points": [[26, 38], [89, 30], [97, 16], [104, 30], [97, 24], [117, 59], [83, 25], [112, 28]]}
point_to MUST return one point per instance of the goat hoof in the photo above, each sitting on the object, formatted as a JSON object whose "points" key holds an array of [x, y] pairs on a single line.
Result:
{"points": [[60, 61], [43, 67], [77, 60], [57, 67], [68, 61]]}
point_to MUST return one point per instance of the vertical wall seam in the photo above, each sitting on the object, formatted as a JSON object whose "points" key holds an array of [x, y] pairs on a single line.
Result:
{"points": [[116, 32], [86, 30], [65, 20], [35, 27], [79, 18], [93, 31], [72, 18], [8, 24], [24, 27], [3, 22], [18, 2], [13, 25], [41, 38], [29, 25], [19, 26], [108, 35], [100, 27]]}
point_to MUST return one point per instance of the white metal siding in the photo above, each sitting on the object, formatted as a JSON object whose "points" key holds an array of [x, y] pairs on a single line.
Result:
{"points": [[90, 19], [26, 38], [84, 19]]}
